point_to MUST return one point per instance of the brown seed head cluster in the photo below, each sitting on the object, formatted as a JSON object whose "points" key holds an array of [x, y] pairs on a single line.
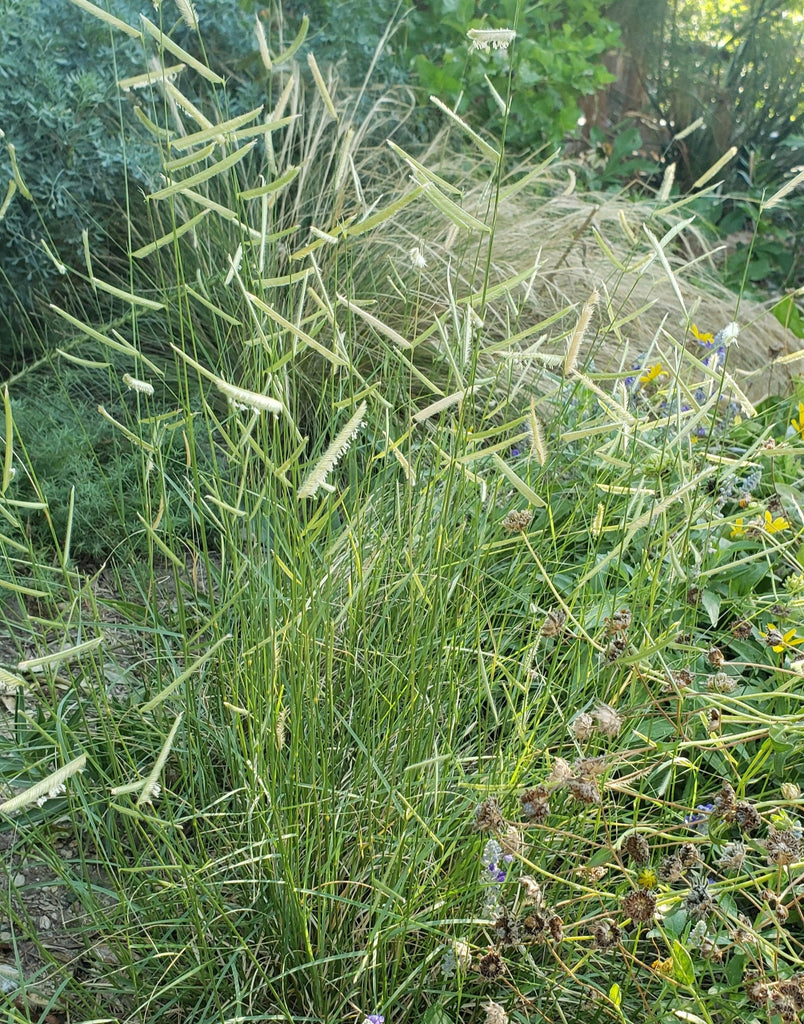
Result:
{"points": [[725, 803], [783, 847], [637, 848], [639, 905], [688, 854], [609, 722], [741, 630], [488, 816], [606, 935], [670, 868], [582, 726], [721, 682], [491, 966], [495, 1013], [732, 857], [617, 647], [553, 624], [784, 996], [535, 804], [517, 520], [619, 622], [747, 817], [698, 902], [715, 657]]}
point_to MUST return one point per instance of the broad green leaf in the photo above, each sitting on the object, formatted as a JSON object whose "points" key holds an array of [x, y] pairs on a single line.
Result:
{"points": [[683, 967]]}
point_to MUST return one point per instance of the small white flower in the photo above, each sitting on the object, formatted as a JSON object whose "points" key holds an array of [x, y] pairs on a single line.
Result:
{"points": [[485, 38], [417, 258]]}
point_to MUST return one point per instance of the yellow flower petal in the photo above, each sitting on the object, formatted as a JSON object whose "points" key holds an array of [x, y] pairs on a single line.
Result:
{"points": [[706, 338]]}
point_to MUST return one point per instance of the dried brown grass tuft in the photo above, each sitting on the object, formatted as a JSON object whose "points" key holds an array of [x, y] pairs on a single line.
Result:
{"points": [[559, 245]]}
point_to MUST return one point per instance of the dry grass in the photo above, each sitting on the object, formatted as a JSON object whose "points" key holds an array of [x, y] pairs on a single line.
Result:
{"points": [[573, 243]]}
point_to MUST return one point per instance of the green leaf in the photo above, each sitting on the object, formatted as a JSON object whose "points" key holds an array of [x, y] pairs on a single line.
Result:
{"points": [[683, 967], [734, 969], [711, 602], [436, 1015], [615, 995], [789, 315]]}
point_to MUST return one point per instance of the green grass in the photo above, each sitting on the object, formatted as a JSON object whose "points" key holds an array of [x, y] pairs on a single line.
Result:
{"points": [[532, 622]]}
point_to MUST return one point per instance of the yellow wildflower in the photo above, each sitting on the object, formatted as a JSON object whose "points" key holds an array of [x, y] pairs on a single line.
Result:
{"points": [[780, 640], [647, 879], [737, 528], [704, 338], [775, 525], [664, 967], [798, 424], [651, 374]]}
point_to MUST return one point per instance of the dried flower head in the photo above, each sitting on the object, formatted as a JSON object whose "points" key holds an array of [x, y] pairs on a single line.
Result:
{"points": [[747, 817], [757, 989], [584, 790], [790, 791], [582, 726], [775, 906], [688, 854], [619, 621], [682, 678], [698, 902], [531, 891], [534, 926], [590, 767], [535, 804], [725, 803], [491, 966], [670, 868], [495, 1014], [591, 873], [741, 630], [606, 934], [608, 721], [561, 772], [616, 648], [488, 816], [783, 846], [714, 720], [511, 842], [556, 928], [732, 858], [637, 848], [517, 520], [639, 905], [721, 682], [554, 623], [507, 931], [715, 657]]}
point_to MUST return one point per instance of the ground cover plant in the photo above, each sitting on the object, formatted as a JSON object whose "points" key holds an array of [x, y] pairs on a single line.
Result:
{"points": [[460, 678]]}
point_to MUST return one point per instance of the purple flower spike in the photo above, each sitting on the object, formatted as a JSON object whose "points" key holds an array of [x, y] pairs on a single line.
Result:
{"points": [[375, 1018]]}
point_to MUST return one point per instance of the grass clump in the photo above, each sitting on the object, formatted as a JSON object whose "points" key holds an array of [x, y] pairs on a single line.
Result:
{"points": [[469, 688]]}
